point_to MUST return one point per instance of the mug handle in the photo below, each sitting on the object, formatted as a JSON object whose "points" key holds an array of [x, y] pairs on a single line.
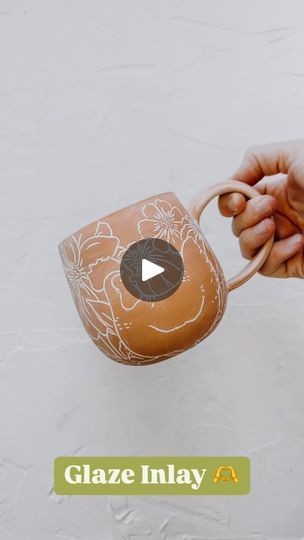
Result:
{"points": [[199, 203]]}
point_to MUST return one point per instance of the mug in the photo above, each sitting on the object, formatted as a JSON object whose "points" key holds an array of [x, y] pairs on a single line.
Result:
{"points": [[132, 331]]}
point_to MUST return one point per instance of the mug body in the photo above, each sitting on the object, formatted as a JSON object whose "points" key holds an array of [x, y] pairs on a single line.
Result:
{"points": [[133, 331]]}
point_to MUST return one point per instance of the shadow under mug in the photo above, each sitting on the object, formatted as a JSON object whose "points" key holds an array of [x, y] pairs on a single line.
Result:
{"points": [[132, 331]]}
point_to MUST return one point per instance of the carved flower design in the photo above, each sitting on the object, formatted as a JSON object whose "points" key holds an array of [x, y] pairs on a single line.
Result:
{"points": [[191, 228], [161, 220], [94, 312]]}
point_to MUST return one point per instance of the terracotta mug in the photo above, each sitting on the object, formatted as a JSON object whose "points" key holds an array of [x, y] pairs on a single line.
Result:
{"points": [[132, 331]]}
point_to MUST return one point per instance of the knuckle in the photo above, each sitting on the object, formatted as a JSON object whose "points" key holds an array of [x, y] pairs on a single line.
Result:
{"points": [[251, 151]]}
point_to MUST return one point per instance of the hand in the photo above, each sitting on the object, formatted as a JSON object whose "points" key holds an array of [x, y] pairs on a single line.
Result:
{"points": [[279, 209]]}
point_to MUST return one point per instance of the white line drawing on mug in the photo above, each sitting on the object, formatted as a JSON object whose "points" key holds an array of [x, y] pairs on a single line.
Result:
{"points": [[92, 295]]}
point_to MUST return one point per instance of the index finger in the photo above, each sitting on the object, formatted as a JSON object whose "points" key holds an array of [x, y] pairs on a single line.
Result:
{"points": [[266, 160], [233, 204]]}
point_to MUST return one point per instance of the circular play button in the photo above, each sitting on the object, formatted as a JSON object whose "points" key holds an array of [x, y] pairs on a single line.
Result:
{"points": [[151, 269]]}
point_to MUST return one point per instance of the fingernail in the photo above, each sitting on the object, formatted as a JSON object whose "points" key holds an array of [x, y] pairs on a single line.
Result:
{"points": [[233, 205], [261, 228], [296, 239]]}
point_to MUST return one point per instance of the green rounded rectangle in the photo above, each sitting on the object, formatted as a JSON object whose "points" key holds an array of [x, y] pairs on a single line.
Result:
{"points": [[153, 475]]}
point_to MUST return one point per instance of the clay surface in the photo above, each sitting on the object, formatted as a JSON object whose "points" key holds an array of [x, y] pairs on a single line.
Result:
{"points": [[126, 328]]}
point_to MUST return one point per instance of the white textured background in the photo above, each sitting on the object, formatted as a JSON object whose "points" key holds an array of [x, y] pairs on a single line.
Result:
{"points": [[103, 103]]}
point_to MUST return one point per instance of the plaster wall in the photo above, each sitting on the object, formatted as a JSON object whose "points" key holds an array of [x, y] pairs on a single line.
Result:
{"points": [[103, 103]]}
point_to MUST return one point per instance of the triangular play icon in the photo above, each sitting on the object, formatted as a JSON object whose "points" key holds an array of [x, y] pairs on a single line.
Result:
{"points": [[150, 269]]}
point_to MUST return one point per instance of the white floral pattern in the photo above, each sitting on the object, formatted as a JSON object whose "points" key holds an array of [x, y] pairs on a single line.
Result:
{"points": [[161, 220], [91, 260]]}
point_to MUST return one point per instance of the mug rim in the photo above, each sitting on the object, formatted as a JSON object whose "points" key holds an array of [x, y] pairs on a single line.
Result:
{"points": [[116, 212]]}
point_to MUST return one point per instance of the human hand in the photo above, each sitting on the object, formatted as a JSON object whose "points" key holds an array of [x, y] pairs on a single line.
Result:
{"points": [[279, 210]]}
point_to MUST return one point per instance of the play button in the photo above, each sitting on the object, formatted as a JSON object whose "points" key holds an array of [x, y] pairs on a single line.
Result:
{"points": [[151, 269]]}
